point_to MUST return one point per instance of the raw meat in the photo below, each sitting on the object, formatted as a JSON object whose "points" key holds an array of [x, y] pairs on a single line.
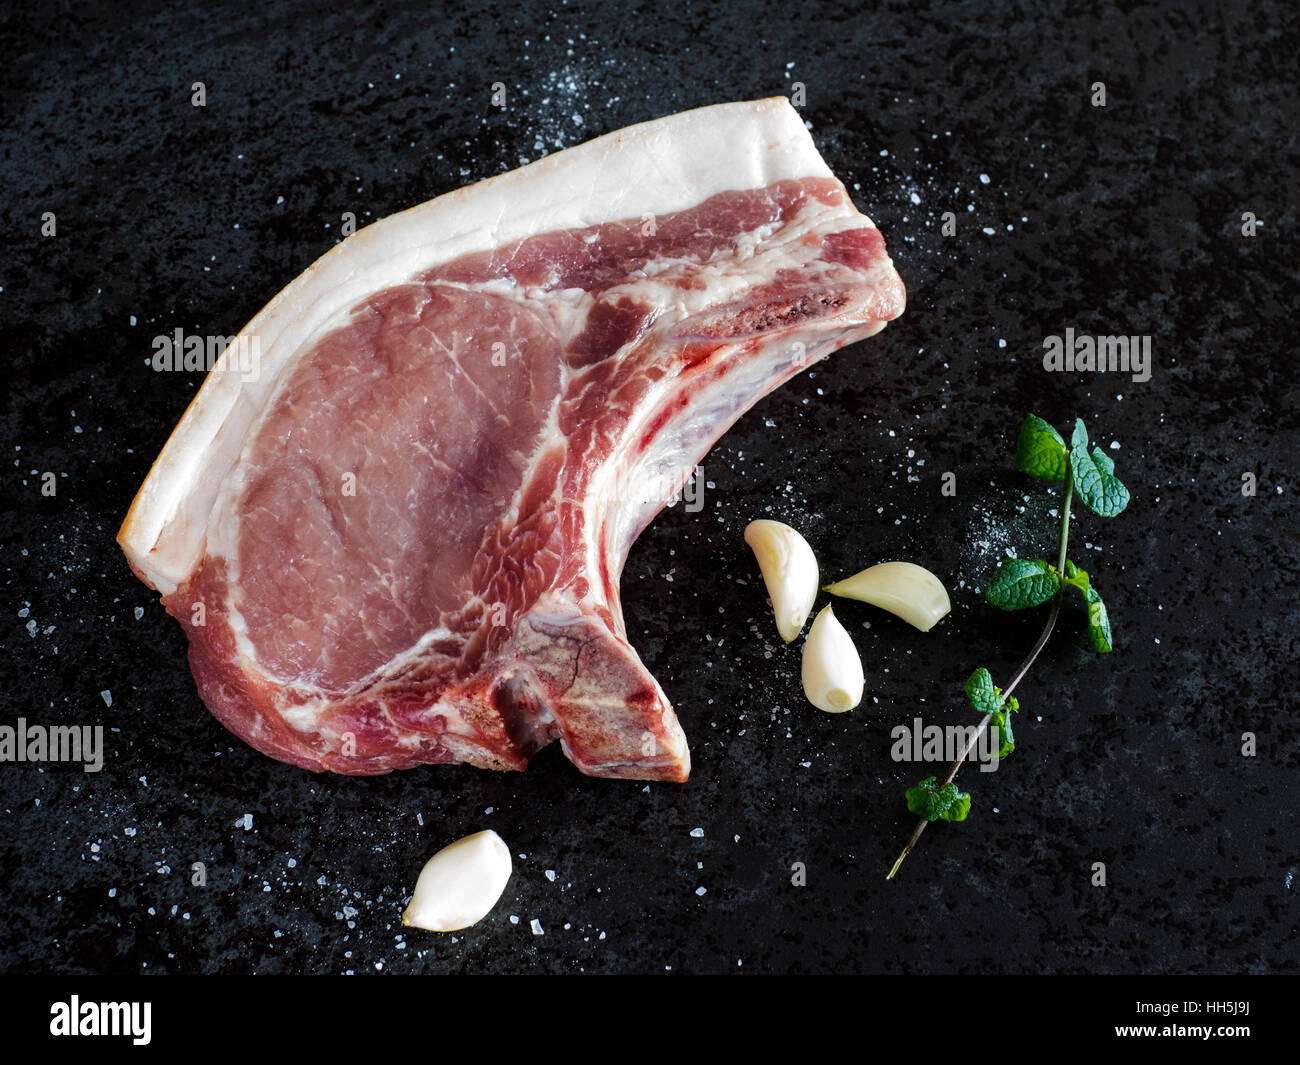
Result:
{"points": [[400, 541]]}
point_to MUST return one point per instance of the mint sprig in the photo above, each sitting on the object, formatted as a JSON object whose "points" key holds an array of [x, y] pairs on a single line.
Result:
{"points": [[1021, 584]]}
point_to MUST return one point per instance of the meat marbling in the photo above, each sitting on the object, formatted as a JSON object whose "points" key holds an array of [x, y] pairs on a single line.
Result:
{"points": [[400, 541]]}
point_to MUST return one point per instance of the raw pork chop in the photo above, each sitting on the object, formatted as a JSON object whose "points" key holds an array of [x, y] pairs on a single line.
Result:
{"points": [[400, 542]]}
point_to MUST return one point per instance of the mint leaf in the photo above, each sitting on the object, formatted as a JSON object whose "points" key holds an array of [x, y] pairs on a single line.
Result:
{"points": [[1006, 741], [1021, 583], [1098, 621], [1040, 451], [938, 804], [1079, 438], [1095, 481], [960, 806], [986, 698], [981, 693], [1075, 577]]}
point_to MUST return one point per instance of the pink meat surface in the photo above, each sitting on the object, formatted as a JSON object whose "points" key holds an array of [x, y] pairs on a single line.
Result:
{"points": [[432, 515]]}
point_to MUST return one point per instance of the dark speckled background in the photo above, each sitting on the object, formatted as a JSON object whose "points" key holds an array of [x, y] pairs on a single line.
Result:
{"points": [[1117, 220]]}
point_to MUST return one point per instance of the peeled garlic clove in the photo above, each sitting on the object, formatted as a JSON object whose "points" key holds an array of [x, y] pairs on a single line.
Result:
{"points": [[912, 592], [789, 570], [460, 884], [832, 670]]}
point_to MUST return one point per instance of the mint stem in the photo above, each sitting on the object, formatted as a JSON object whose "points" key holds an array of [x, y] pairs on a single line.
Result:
{"points": [[1016, 678]]}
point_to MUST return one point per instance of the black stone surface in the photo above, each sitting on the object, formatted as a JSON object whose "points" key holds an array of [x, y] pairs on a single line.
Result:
{"points": [[1124, 219]]}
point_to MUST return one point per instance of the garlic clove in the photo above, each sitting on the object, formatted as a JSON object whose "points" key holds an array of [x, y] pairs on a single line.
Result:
{"points": [[789, 570], [832, 670], [460, 884], [910, 591]]}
